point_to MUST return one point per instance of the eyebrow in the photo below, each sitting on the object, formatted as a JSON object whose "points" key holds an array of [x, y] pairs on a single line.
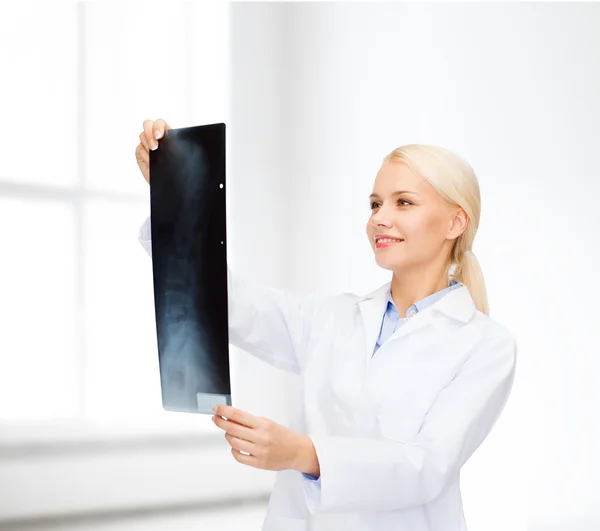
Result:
{"points": [[375, 196]]}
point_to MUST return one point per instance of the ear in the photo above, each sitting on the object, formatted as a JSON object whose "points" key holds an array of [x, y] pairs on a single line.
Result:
{"points": [[458, 224]]}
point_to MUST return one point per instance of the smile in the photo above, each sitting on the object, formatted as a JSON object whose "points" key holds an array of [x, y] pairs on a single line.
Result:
{"points": [[382, 243]]}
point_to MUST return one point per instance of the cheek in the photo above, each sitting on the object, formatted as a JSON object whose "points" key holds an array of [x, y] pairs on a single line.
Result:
{"points": [[420, 227], [412, 225]]}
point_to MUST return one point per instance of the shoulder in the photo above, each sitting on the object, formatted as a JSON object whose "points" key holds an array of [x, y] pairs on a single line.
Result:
{"points": [[336, 306], [335, 303], [342, 302], [492, 327], [493, 339], [342, 299], [346, 299]]}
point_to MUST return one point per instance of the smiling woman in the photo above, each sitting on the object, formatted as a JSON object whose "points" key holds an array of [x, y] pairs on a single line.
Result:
{"points": [[391, 408], [422, 222]]}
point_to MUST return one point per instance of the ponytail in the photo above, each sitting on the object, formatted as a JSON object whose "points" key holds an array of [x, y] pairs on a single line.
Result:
{"points": [[468, 272]]}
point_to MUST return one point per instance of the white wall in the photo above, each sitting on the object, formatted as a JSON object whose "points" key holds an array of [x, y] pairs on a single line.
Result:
{"points": [[513, 88], [258, 203]]}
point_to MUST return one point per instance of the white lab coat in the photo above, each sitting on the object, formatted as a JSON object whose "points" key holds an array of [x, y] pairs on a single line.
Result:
{"points": [[391, 431]]}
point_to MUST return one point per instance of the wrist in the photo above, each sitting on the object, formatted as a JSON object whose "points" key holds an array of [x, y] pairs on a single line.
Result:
{"points": [[307, 461]]}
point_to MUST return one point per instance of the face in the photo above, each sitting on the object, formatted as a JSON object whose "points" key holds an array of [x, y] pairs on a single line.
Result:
{"points": [[407, 209]]}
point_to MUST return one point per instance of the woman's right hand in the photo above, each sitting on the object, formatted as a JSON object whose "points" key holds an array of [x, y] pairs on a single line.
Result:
{"points": [[149, 137]]}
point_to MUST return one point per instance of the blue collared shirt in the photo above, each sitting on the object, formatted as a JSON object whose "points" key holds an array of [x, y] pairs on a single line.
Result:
{"points": [[391, 320]]}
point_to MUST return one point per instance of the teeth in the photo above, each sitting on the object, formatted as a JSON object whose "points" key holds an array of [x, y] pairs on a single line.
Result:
{"points": [[387, 240]]}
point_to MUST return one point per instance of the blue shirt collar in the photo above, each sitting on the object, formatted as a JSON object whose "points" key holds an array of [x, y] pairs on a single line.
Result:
{"points": [[424, 302]]}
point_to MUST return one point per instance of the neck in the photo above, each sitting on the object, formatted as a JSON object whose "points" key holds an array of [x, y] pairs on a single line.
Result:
{"points": [[412, 286]]}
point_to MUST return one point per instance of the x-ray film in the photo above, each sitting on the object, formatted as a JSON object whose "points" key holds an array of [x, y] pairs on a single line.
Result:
{"points": [[189, 260]]}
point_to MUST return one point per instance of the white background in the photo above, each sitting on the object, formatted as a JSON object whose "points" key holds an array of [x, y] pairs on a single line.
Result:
{"points": [[314, 96]]}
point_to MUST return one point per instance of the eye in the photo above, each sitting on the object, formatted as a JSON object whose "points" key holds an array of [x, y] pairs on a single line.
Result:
{"points": [[399, 203]]}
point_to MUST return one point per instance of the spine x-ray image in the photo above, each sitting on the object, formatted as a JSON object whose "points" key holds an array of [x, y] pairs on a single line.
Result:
{"points": [[189, 260]]}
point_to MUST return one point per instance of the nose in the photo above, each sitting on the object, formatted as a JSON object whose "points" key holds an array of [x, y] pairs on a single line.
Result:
{"points": [[380, 219]]}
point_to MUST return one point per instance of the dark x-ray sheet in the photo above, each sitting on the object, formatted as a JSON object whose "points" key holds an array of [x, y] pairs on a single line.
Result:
{"points": [[189, 260]]}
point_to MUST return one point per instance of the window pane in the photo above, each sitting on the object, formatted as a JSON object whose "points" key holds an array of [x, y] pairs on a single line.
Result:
{"points": [[159, 60], [135, 69], [122, 377], [39, 376], [38, 61]]}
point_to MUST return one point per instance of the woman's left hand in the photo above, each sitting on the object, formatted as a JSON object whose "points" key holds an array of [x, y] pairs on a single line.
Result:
{"points": [[270, 446]]}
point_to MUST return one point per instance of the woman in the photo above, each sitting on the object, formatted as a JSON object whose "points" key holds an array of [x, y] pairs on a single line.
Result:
{"points": [[400, 386]]}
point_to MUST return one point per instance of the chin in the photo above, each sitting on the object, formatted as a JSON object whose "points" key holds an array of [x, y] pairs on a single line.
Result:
{"points": [[390, 265]]}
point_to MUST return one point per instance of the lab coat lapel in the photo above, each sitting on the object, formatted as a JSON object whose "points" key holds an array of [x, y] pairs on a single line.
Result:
{"points": [[372, 308], [457, 305]]}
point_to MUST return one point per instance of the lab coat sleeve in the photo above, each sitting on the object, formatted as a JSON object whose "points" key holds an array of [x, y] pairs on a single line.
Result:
{"points": [[270, 324], [383, 474]]}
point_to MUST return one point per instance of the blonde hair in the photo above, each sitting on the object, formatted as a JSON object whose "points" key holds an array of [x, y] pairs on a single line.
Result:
{"points": [[456, 182]]}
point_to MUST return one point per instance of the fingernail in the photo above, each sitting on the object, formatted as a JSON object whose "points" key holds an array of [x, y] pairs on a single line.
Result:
{"points": [[154, 146], [157, 134], [215, 409]]}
